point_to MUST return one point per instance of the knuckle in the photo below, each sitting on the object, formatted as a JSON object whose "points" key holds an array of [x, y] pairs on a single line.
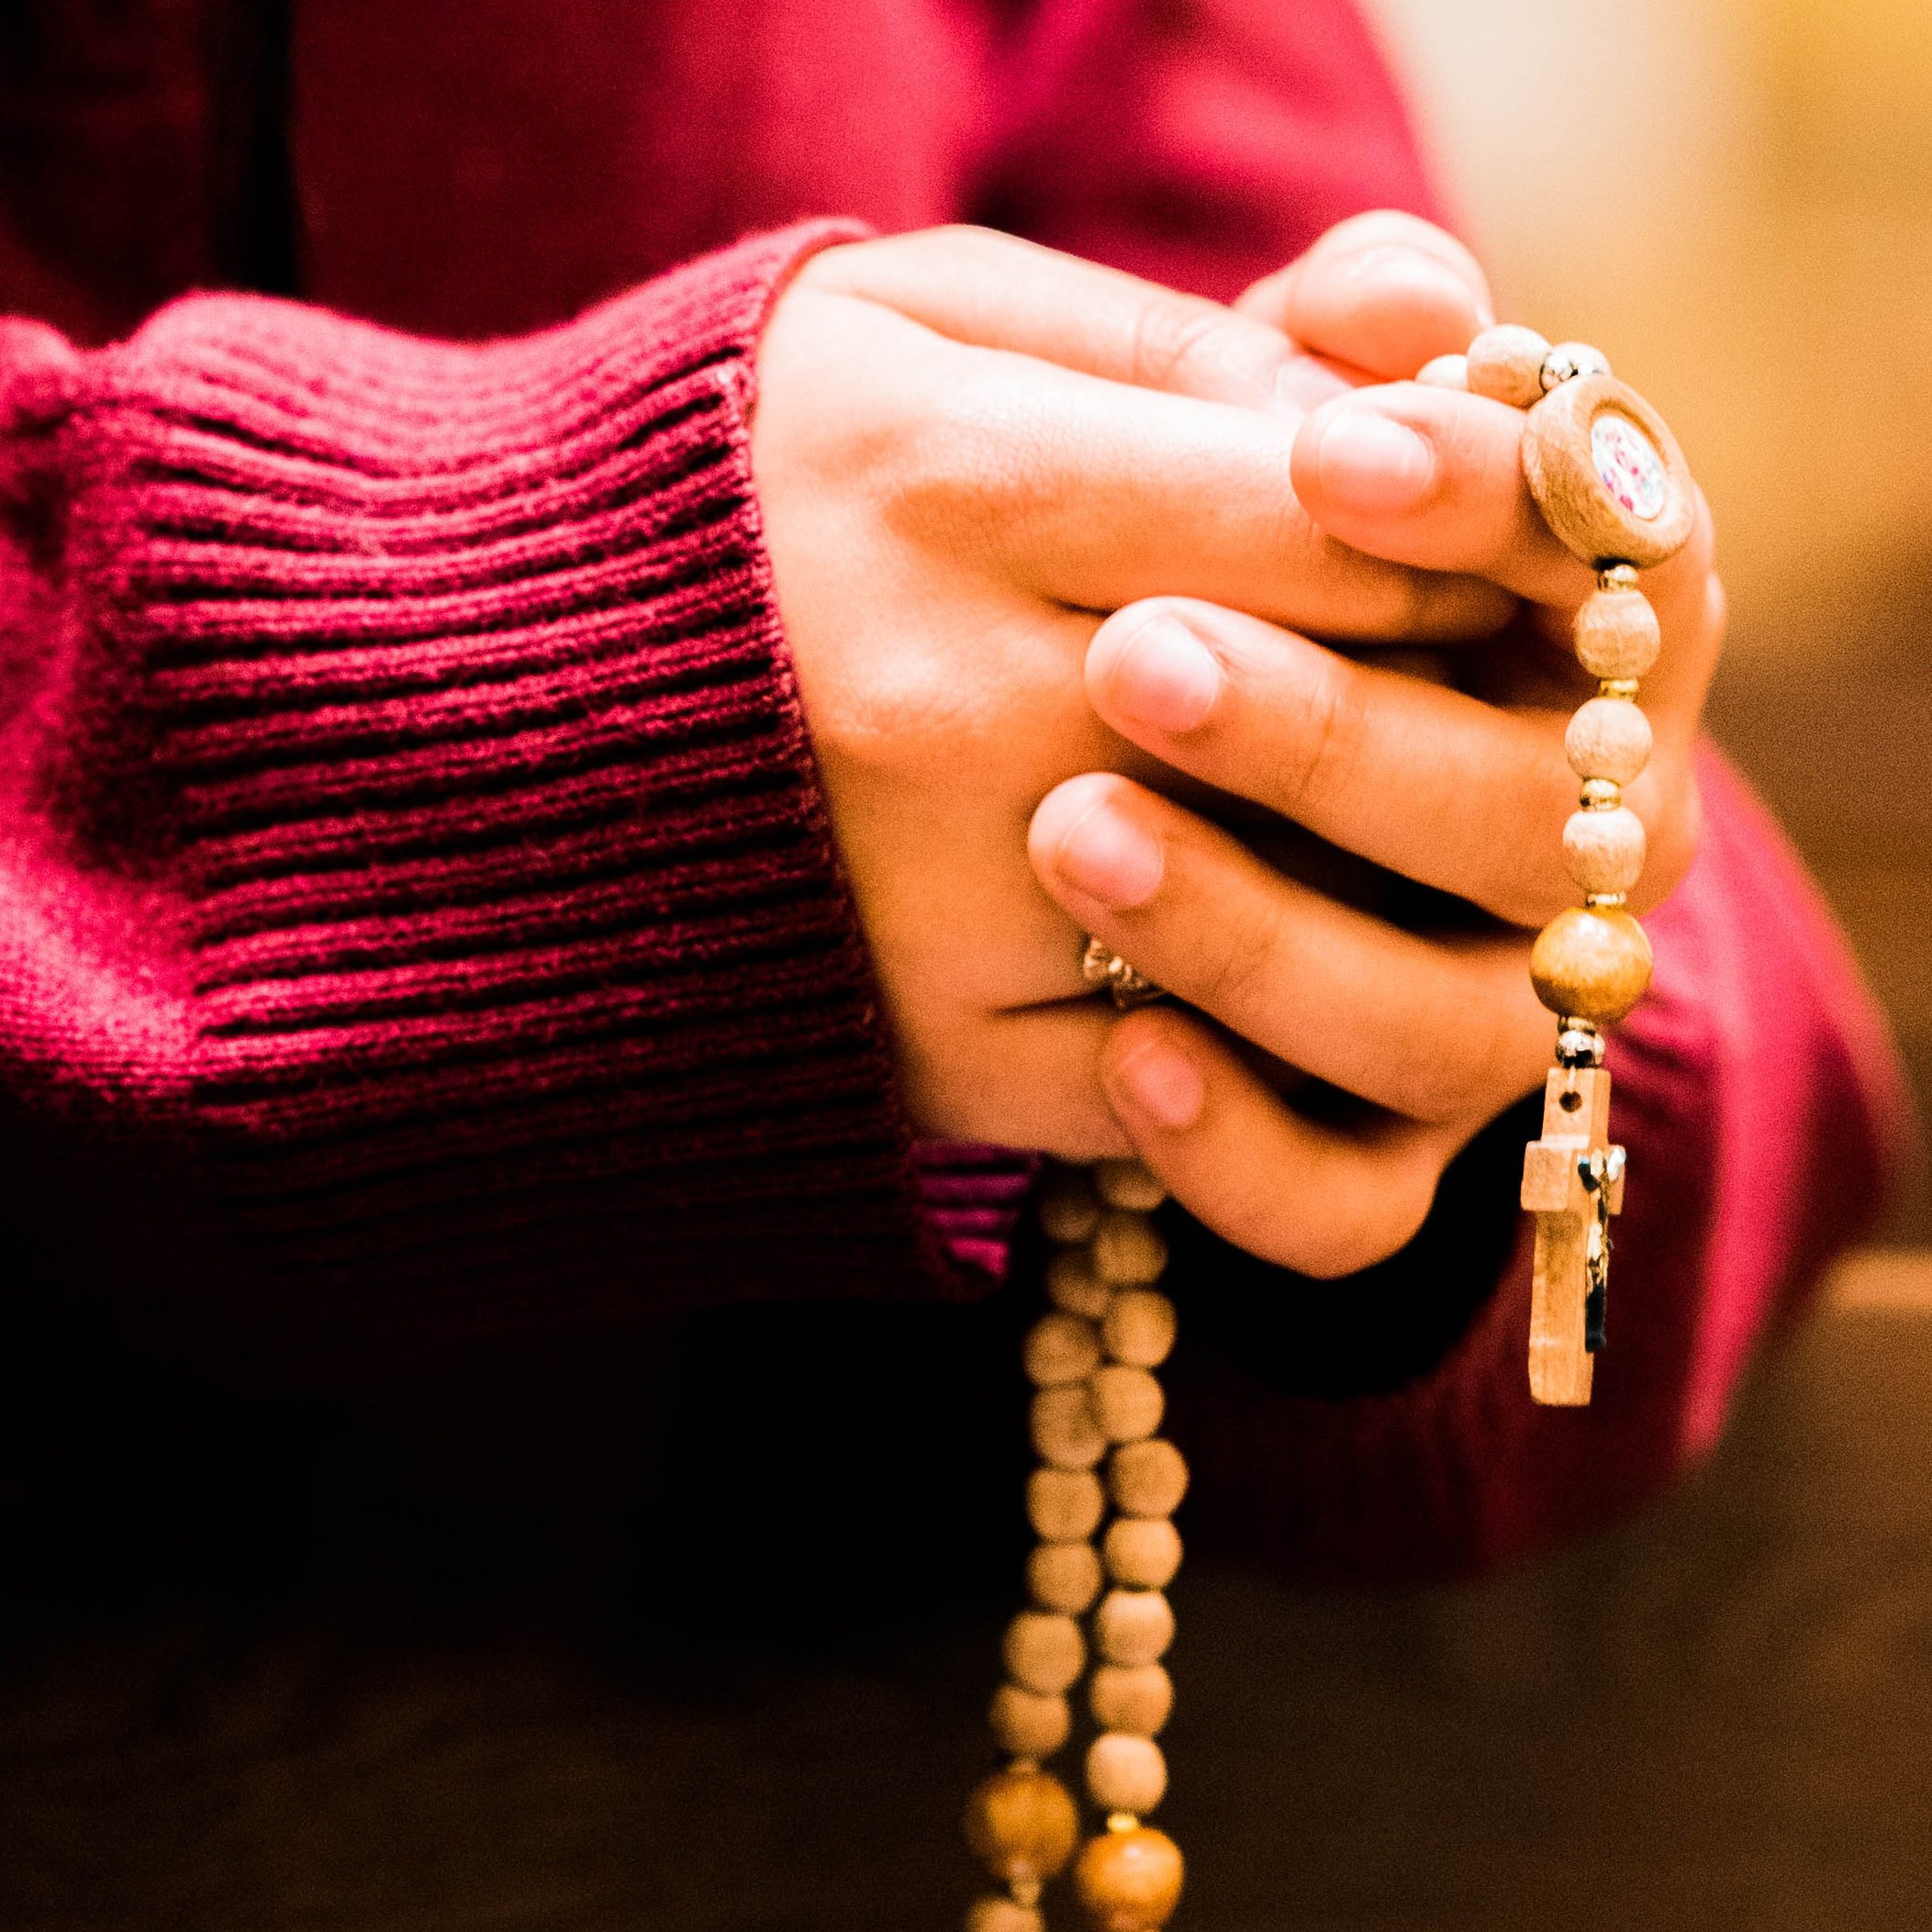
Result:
{"points": [[1237, 971], [1326, 735], [1188, 344]]}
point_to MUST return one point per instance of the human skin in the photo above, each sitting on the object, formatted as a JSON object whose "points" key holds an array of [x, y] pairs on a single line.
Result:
{"points": [[1053, 547]]}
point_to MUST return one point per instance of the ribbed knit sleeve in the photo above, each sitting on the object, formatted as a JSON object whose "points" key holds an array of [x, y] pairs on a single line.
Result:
{"points": [[412, 844]]}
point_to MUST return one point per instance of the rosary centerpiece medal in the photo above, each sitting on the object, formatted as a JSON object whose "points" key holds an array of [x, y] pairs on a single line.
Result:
{"points": [[1613, 487]]}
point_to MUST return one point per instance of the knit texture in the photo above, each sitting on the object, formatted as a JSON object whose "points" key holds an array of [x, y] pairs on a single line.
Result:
{"points": [[414, 738]]}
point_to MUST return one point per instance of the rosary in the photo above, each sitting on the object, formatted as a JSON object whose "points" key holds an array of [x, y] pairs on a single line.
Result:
{"points": [[1611, 484]]}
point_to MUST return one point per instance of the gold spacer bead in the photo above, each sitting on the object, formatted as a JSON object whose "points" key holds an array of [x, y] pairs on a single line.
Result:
{"points": [[1600, 794], [1617, 576], [1123, 1821], [1603, 901], [1623, 687], [1026, 1892]]}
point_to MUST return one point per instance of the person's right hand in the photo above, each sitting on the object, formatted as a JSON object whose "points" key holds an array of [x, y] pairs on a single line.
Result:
{"points": [[968, 449]]}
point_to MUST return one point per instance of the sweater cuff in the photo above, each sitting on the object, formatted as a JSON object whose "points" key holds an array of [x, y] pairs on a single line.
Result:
{"points": [[445, 688]]}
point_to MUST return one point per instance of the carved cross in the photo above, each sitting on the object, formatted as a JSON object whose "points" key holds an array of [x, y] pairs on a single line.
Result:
{"points": [[1572, 1182]]}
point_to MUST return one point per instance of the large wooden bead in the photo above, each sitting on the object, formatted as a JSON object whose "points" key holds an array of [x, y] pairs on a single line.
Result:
{"points": [[1139, 1328], [1127, 1249], [1061, 1348], [1127, 1184], [1064, 1576], [1069, 1209], [1609, 738], [1143, 1552], [1045, 1653], [1131, 1697], [1126, 1773], [1064, 1505], [1127, 1402], [1073, 1287], [1067, 1433], [1026, 1724], [1147, 1479], [1592, 962], [1133, 1627], [1021, 1824], [1604, 849], [1002, 1914], [1607, 473], [1616, 634], [1505, 363], [1129, 1880]]}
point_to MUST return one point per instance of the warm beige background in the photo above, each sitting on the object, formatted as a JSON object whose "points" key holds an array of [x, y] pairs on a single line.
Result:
{"points": [[1733, 198]]}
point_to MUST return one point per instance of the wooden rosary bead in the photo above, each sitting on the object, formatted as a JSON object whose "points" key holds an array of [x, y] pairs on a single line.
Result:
{"points": [[1061, 1348], [1027, 1724], [1604, 849], [1064, 1505], [1069, 1209], [1138, 1330], [1127, 1402], [1616, 634], [1147, 1479], [1505, 363], [1127, 1249], [1608, 738], [1608, 476], [1045, 1653], [1127, 1184], [1073, 1287], [1143, 1552], [1067, 1433], [1064, 1576], [1590, 963], [1131, 1697], [1021, 1824], [1129, 1880], [1002, 1914], [1126, 1773], [1133, 1627]]}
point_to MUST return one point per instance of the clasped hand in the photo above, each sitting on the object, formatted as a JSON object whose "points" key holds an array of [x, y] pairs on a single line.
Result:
{"points": [[1053, 548]]}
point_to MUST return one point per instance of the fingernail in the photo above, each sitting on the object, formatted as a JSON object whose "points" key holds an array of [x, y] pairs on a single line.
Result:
{"points": [[1160, 1081], [1109, 858], [1369, 463], [1162, 675]]}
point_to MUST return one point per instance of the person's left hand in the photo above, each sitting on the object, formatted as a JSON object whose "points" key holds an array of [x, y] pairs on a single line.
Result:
{"points": [[1464, 790]]}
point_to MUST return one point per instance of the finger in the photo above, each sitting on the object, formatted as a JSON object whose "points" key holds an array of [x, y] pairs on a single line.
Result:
{"points": [[997, 292], [1385, 292], [1433, 478], [1438, 1029], [1038, 1084], [1324, 1199], [1095, 493], [1411, 774]]}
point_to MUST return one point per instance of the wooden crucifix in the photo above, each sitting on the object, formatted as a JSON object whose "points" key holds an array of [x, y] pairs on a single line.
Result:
{"points": [[1572, 1182]]}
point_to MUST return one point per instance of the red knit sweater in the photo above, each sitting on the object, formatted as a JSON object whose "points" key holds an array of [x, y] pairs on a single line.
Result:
{"points": [[418, 917]]}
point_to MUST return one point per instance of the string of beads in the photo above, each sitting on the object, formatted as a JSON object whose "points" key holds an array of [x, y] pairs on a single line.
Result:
{"points": [[1613, 486], [1097, 1408]]}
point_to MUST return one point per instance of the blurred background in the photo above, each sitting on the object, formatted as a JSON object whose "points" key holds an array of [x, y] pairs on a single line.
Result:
{"points": [[328, 1683]]}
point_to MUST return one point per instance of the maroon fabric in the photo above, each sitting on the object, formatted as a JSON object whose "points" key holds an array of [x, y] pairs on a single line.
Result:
{"points": [[417, 918]]}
